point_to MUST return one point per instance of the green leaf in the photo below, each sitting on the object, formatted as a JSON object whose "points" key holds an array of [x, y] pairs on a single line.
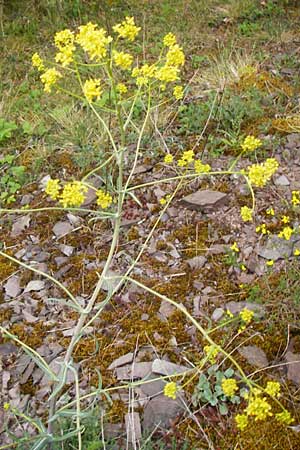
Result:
{"points": [[223, 409]]}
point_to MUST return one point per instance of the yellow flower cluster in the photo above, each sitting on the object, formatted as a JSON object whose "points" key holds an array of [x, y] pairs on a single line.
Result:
{"points": [[262, 229], [187, 158], [73, 194], [178, 92], [229, 386], [200, 167], [246, 315], [92, 89], [122, 59], [175, 56], [163, 201], [273, 388], [295, 198], [259, 407], [64, 41], [49, 78], [285, 219], [167, 74], [168, 159], [234, 247], [170, 390], [211, 353], [37, 62], [121, 88], [169, 40], [127, 29], [241, 421], [53, 189], [251, 143], [260, 174], [143, 74], [93, 40], [270, 212], [246, 214], [104, 199], [286, 233], [284, 417]]}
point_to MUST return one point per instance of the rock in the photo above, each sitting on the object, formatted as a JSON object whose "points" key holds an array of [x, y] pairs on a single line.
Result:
{"points": [[205, 200], [62, 228], [293, 366], [197, 262], [134, 371], [160, 411], [20, 225], [276, 248], [66, 249], [133, 427], [282, 180], [217, 314], [237, 307], [164, 367], [254, 356], [153, 388], [125, 359], [7, 348], [34, 285], [217, 249], [166, 309], [12, 286]]}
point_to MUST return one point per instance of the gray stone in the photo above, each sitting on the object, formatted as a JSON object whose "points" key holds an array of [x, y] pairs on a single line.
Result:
{"points": [[134, 371], [166, 309], [276, 248], [217, 314], [164, 367], [205, 200], [293, 366], [133, 427], [153, 388], [125, 359], [160, 411], [197, 262], [62, 228], [34, 285], [282, 180], [254, 356], [12, 286], [66, 249], [237, 307]]}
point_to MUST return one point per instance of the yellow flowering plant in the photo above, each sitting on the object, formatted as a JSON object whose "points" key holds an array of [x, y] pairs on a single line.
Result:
{"points": [[108, 78]]}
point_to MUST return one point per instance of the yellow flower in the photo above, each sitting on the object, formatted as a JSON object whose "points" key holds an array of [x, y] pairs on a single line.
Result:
{"points": [[91, 89], [251, 143], [260, 174], [262, 228], [182, 162], [270, 263], [167, 74], [234, 247], [122, 88], [285, 219], [169, 40], [49, 78], [73, 194], [286, 233], [296, 252], [170, 390], [143, 74], [188, 156], [284, 417], [246, 315], [241, 421], [273, 388], [104, 199], [127, 29], [200, 167], [65, 56], [64, 38], [229, 386], [229, 313], [52, 189], [6, 406], [270, 212], [175, 56], [259, 408], [246, 213], [168, 158], [122, 59], [295, 198], [211, 353], [178, 92], [37, 62], [93, 40]]}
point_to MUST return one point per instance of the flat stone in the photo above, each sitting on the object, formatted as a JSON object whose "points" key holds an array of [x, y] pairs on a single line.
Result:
{"points": [[134, 371], [217, 314], [166, 309], [133, 427], [293, 366], [282, 180], [62, 228], [161, 411], [125, 359], [12, 286], [237, 307], [66, 249], [197, 262], [34, 285], [254, 356], [205, 200], [276, 248], [153, 388], [164, 367]]}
